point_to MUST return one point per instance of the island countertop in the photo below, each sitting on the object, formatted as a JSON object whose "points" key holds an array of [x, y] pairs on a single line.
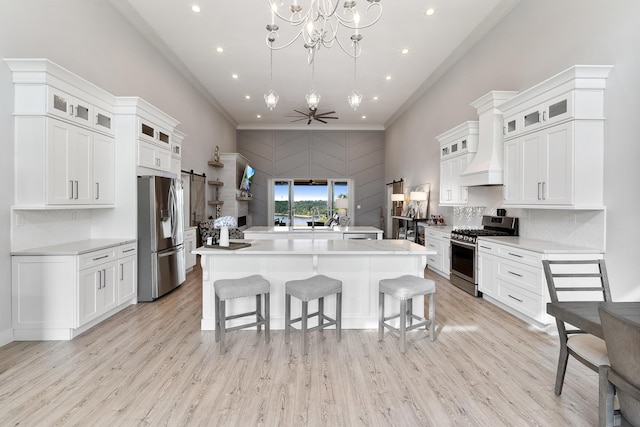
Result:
{"points": [[321, 246]]}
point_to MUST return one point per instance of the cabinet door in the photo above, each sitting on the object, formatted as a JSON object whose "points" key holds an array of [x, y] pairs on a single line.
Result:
{"points": [[127, 278], [90, 282], [532, 171], [69, 169], [103, 121], [463, 192], [446, 195], [103, 170], [559, 168], [486, 281], [512, 171], [189, 245], [108, 294]]}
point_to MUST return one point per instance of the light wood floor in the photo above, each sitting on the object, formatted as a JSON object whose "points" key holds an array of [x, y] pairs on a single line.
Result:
{"points": [[152, 365]]}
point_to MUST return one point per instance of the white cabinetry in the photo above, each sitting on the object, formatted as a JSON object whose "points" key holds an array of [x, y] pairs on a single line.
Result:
{"points": [[127, 272], [176, 152], [439, 241], [554, 141], [189, 246], [151, 131], [64, 147], [97, 284], [458, 146], [512, 277], [57, 295]]}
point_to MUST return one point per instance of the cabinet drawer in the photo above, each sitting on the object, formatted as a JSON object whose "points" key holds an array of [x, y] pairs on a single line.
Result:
{"points": [[432, 233], [519, 274], [435, 261], [434, 245], [190, 233], [533, 259], [525, 302], [127, 250], [486, 247], [96, 258]]}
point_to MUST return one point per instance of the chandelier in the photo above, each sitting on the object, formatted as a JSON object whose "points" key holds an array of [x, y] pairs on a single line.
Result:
{"points": [[320, 22]]}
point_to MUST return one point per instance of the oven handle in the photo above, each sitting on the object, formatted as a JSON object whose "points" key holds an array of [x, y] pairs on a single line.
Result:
{"points": [[465, 244]]}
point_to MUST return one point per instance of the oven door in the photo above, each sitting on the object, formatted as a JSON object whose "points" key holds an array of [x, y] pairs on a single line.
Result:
{"points": [[463, 260]]}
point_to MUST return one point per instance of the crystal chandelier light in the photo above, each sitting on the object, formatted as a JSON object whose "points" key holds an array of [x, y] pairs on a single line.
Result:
{"points": [[356, 97], [320, 21], [271, 98]]}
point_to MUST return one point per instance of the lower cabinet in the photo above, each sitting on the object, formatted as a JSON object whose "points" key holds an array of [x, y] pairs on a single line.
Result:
{"points": [[513, 277], [439, 241], [57, 297], [189, 245], [127, 272]]}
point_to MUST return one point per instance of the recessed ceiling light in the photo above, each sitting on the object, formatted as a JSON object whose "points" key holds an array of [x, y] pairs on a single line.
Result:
{"points": [[259, 116], [247, 97], [430, 11], [405, 51], [375, 98], [195, 8], [364, 117], [234, 76], [388, 77], [219, 49]]}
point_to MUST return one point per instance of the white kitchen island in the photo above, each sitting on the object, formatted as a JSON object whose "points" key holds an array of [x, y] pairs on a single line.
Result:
{"points": [[360, 264]]}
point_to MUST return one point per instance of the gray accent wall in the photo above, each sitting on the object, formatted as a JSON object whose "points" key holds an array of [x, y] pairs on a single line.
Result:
{"points": [[314, 154]]}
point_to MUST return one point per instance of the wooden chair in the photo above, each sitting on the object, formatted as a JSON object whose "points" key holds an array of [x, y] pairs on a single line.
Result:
{"points": [[622, 378], [588, 349]]}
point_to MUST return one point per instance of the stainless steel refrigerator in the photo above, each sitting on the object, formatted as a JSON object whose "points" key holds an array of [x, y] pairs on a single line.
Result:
{"points": [[160, 237]]}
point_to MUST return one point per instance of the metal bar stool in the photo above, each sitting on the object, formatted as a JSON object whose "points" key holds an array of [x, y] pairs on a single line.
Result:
{"points": [[316, 287], [226, 289], [405, 288]]}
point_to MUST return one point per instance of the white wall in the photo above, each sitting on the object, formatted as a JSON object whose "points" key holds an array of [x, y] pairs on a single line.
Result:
{"points": [[91, 39], [538, 39]]}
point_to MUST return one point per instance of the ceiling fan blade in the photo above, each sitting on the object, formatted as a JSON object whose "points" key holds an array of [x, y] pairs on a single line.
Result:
{"points": [[304, 116], [323, 117], [297, 120], [325, 114], [320, 120], [309, 122], [300, 112]]}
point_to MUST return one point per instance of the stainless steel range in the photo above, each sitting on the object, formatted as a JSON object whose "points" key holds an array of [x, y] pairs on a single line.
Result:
{"points": [[464, 250]]}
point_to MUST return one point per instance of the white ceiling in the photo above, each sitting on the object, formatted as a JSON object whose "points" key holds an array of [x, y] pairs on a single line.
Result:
{"points": [[190, 39]]}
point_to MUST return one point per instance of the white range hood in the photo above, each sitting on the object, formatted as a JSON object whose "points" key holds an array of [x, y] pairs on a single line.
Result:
{"points": [[486, 168]]}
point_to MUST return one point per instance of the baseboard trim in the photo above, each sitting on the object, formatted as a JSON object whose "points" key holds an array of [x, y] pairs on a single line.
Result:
{"points": [[6, 337]]}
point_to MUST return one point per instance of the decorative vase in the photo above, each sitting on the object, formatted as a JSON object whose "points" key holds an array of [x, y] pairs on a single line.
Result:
{"points": [[224, 236]]}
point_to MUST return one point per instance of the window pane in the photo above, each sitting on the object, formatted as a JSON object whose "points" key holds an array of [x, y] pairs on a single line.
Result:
{"points": [[310, 199], [282, 204]]}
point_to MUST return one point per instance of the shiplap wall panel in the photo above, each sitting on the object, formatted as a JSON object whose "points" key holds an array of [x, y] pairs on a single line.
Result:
{"points": [[296, 154]]}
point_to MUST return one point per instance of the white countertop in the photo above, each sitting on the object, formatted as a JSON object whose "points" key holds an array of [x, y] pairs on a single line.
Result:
{"points": [[441, 228], [75, 248], [321, 246], [280, 229], [540, 246]]}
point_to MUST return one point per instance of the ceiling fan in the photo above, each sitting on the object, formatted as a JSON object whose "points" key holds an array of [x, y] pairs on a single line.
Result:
{"points": [[313, 115]]}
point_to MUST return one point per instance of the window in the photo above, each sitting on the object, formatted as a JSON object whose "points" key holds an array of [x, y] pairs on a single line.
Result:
{"points": [[295, 202]]}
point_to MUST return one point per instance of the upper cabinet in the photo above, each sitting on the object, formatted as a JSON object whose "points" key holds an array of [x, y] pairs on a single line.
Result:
{"points": [[154, 135], [64, 138], [554, 141], [458, 146]]}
